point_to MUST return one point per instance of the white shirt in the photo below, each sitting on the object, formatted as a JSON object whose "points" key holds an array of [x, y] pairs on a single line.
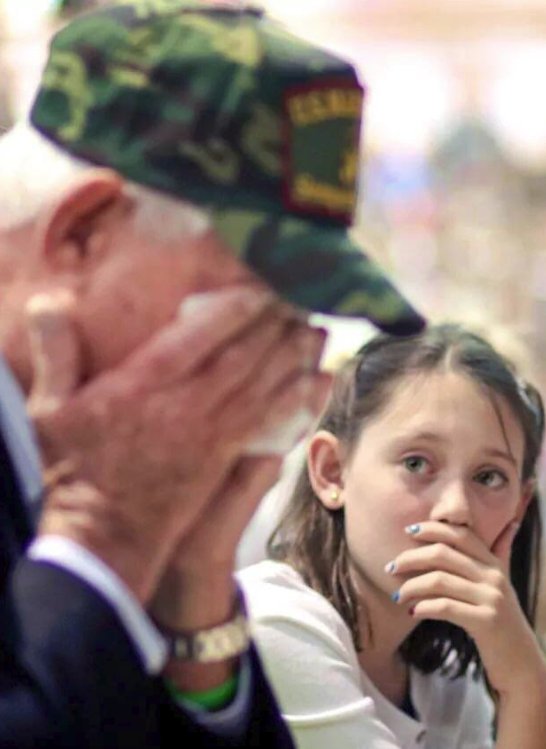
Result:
{"points": [[325, 696], [19, 437]]}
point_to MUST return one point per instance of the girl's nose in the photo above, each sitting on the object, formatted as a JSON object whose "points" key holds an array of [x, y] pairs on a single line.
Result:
{"points": [[452, 505]]}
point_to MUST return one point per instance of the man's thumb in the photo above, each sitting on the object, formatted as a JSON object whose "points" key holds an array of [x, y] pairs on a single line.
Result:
{"points": [[54, 350]]}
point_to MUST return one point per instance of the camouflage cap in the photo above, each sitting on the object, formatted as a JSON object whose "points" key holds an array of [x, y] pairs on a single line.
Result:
{"points": [[223, 107]]}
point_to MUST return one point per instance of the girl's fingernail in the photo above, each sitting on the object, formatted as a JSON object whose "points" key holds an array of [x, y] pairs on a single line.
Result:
{"points": [[413, 529], [390, 568], [395, 597]]}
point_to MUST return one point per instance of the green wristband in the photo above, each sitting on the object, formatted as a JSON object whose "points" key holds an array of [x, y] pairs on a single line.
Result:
{"points": [[210, 699]]}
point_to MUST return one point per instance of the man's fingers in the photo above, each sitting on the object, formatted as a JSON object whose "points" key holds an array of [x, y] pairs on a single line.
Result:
{"points": [[55, 351], [199, 335], [226, 516], [257, 423], [320, 391], [253, 478], [299, 351], [242, 360], [272, 353]]}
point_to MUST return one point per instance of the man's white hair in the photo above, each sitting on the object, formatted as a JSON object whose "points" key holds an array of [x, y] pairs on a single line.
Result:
{"points": [[34, 171]]}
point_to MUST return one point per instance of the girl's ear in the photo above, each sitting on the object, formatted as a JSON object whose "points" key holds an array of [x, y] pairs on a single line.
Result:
{"points": [[324, 465]]}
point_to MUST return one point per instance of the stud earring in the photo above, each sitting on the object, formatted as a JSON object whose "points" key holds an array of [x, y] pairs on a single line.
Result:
{"points": [[334, 496]]}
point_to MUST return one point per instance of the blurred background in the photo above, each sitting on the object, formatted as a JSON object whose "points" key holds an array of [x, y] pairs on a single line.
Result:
{"points": [[453, 179]]}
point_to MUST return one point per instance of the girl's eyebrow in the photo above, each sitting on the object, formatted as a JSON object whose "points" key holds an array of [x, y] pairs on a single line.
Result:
{"points": [[421, 436], [428, 436], [496, 453]]}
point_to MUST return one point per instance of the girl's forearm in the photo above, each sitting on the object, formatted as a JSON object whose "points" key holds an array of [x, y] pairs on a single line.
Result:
{"points": [[522, 714]]}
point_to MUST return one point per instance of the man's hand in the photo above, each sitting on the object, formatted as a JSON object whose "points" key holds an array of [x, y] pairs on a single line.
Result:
{"points": [[198, 590], [155, 439]]}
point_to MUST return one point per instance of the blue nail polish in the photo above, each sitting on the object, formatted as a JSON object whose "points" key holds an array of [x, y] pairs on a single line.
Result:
{"points": [[395, 597], [413, 529], [390, 568]]}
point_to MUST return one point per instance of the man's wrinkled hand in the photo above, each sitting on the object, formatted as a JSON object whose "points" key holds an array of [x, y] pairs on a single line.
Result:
{"points": [[157, 436]]}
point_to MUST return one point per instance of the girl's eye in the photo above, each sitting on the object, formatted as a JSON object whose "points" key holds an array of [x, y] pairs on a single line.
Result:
{"points": [[416, 464], [492, 478]]}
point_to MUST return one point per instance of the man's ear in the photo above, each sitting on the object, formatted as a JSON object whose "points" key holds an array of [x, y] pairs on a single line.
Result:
{"points": [[71, 232], [325, 468]]}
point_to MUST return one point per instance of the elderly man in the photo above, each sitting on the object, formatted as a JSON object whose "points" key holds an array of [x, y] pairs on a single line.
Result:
{"points": [[185, 167]]}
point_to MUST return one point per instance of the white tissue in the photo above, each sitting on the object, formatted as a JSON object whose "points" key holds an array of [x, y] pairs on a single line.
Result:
{"points": [[283, 437], [195, 303]]}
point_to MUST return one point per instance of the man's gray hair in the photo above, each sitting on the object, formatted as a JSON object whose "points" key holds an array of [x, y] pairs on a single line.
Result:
{"points": [[34, 172]]}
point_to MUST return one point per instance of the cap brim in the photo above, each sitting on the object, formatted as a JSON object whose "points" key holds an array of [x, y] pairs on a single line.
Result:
{"points": [[317, 267]]}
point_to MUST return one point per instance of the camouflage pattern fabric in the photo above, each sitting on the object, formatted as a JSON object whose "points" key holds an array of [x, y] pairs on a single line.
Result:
{"points": [[222, 107]]}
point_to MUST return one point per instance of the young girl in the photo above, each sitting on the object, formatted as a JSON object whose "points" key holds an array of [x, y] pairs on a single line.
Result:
{"points": [[398, 608]]}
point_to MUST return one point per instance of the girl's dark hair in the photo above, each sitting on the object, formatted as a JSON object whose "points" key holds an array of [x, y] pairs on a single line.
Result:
{"points": [[311, 538]]}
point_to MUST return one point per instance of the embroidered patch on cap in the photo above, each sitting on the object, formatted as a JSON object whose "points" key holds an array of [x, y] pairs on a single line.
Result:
{"points": [[321, 149]]}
